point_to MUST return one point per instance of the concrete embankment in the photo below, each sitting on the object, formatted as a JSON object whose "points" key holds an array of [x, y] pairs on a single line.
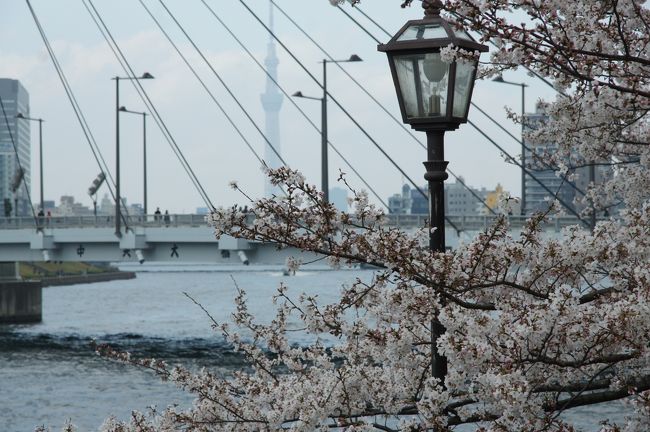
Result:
{"points": [[20, 302], [86, 278]]}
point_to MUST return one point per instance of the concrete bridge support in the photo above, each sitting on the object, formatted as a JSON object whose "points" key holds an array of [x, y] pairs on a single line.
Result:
{"points": [[20, 301]]}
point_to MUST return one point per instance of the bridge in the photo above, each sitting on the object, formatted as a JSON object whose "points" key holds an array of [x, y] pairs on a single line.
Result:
{"points": [[183, 238]]}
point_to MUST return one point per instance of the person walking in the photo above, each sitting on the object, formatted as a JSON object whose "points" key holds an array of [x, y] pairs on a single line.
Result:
{"points": [[166, 217], [156, 215]]}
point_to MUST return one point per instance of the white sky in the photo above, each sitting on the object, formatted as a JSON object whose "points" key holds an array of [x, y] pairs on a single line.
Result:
{"points": [[214, 150]]}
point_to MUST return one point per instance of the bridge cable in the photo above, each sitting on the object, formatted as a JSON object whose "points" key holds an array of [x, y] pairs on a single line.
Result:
{"points": [[204, 85], [223, 83], [345, 111], [90, 139], [492, 119], [293, 102], [546, 164], [564, 177], [554, 194], [571, 184], [148, 103], [518, 140], [375, 100], [20, 166]]}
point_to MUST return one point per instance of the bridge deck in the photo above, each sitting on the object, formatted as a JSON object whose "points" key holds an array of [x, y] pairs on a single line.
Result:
{"points": [[182, 237]]}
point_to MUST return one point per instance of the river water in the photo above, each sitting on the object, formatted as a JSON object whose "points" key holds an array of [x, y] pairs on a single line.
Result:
{"points": [[49, 373]]}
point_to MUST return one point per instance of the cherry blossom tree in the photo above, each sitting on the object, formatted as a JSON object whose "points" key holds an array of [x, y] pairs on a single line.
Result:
{"points": [[534, 326]]}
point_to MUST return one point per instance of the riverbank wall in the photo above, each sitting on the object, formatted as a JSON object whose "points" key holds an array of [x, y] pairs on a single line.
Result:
{"points": [[87, 278], [20, 302]]}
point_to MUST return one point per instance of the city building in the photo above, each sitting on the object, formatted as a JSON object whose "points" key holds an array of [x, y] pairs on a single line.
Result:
{"points": [[14, 186], [69, 207], [106, 206], [400, 203], [537, 197], [459, 200], [272, 102]]}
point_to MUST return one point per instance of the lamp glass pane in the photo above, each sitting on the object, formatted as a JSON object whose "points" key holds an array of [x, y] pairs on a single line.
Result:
{"points": [[423, 80], [462, 87], [423, 31], [463, 35]]}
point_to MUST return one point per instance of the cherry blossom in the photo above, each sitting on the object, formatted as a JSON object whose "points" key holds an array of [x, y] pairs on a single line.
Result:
{"points": [[535, 326]]}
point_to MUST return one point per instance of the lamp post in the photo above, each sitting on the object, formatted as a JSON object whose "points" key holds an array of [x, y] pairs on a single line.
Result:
{"points": [[324, 164], [434, 97], [40, 151], [523, 86], [94, 187], [144, 153], [118, 212]]}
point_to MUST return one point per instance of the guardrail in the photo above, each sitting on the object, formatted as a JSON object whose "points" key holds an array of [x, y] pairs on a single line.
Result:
{"points": [[462, 222], [102, 221]]}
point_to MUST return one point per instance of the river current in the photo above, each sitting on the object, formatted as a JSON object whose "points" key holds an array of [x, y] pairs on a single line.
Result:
{"points": [[49, 372]]}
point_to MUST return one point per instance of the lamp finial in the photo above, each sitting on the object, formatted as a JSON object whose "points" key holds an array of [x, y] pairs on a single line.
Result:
{"points": [[432, 8]]}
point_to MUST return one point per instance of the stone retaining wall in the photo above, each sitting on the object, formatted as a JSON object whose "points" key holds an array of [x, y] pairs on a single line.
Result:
{"points": [[20, 302]]}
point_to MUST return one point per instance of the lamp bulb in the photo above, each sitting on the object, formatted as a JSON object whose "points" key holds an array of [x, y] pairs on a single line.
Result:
{"points": [[434, 68]]}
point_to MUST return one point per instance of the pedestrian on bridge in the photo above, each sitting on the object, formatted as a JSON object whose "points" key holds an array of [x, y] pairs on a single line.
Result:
{"points": [[156, 216], [167, 217]]}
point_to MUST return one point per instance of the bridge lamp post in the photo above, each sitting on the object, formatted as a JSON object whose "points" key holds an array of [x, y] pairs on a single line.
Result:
{"points": [[144, 153], [40, 151], [94, 187], [323, 100], [434, 97], [118, 198], [523, 86]]}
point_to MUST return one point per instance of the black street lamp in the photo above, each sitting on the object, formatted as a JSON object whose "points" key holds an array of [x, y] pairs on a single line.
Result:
{"points": [[118, 198], [144, 153], [523, 86], [324, 164], [433, 97], [40, 150]]}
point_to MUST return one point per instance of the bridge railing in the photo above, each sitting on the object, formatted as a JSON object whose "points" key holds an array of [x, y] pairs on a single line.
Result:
{"points": [[102, 221], [462, 222]]}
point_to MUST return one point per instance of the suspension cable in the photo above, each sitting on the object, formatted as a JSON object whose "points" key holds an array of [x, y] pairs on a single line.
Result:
{"points": [[203, 84], [148, 103], [565, 178], [345, 111], [292, 101], [90, 139], [374, 99], [223, 83], [554, 194]]}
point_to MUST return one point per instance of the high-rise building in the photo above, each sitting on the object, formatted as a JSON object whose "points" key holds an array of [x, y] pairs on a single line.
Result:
{"points": [[538, 198], [13, 192], [272, 102]]}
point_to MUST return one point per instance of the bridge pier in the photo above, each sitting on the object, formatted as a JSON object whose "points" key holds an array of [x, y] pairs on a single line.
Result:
{"points": [[20, 301]]}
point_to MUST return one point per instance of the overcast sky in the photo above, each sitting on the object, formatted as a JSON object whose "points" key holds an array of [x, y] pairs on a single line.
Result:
{"points": [[214, 150]]}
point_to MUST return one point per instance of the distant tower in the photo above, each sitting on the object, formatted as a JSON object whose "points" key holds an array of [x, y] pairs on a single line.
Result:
{"points": [[272, 102], [15, 100]]}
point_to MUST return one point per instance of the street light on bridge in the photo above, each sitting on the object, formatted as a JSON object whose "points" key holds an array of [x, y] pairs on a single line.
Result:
{"points": [[40, 150], [144, 152], [118, 212], [523, 86], [433, 97], [324, 164]]}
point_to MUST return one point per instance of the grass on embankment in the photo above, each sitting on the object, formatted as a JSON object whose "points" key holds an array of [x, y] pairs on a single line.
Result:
{"points": [[37, 270]]}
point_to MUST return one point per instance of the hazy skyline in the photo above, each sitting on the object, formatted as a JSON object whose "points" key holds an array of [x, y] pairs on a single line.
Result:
{"points": [[214, 150]]}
